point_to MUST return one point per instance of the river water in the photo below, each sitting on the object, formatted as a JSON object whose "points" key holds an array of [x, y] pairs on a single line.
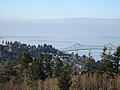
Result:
{"points": [[64, 42]]}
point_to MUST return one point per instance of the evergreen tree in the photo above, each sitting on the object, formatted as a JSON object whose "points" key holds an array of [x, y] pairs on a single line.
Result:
{"points": [[34, 70], [7, 72], [48, 65], [89, 65], [116, 60], [64, 80], [24, 60], [42, 68], [57, 67], [106, 63]]}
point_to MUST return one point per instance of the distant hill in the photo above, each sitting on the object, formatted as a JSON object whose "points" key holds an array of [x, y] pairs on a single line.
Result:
{"points": [[61, 27]]}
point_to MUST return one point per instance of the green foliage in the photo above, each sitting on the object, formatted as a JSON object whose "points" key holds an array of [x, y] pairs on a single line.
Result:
{"points": [[116, 60], [106, 64], [64, 80], [89, 66], [38, 64], [57, 67], [48, 66], [34, 70], [41, 65], [24, 60], [11, 50], [7, 71]]}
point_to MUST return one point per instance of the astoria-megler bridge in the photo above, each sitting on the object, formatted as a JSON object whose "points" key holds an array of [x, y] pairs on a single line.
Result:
{"points": [[76, 47]]}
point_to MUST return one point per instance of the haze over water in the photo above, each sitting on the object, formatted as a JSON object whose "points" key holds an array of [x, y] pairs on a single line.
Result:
{"points": [[86, 31], [60, 22], [62, 33]]}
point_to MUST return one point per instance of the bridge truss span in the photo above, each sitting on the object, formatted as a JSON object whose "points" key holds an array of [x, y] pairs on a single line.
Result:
{"points": [[77, 47]]}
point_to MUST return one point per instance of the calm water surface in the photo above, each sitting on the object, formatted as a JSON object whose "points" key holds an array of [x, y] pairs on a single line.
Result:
{"points": [[63, 42]]}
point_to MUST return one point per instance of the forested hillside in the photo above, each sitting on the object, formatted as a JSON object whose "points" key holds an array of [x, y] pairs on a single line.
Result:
{"points": [[26, 67]]}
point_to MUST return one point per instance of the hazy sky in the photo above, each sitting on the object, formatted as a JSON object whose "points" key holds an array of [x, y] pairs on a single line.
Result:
{"points": [[94, 19], [44, 9], [89, 22]]}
